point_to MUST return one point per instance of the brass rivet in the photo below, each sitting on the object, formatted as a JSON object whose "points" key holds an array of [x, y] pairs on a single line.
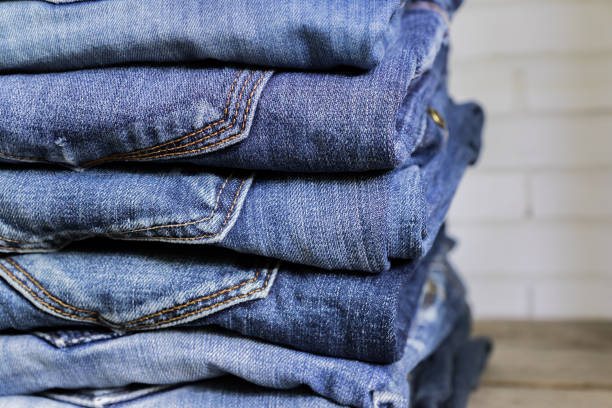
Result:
{"points": [[435, 115]]}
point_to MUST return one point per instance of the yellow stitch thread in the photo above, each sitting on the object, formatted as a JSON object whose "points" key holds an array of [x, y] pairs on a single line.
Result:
{"points": [[265, 285], [227, 217], [194, 301], [35, 282], [174, 308], [185, 223], [42, 301], [210, 125], [148, 228], [10, 156], [155, 154], [212, 145]]}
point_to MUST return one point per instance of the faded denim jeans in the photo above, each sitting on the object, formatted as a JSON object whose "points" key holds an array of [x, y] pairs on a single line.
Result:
{"points": [[232, 116], [49, 359], [72, 34], [364, 221]]}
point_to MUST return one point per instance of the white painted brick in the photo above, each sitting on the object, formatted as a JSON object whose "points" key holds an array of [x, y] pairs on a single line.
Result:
{"points": [[577, 298], [530, 247], [547, 141], [497, 196], [572, 194], [543, 71], [569, 83], [534, 27], [498, 298], [542, 84], [496, 86]]}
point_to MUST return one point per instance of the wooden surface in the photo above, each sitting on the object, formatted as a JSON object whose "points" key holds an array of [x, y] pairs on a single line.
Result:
{"points": [[547, 364]]}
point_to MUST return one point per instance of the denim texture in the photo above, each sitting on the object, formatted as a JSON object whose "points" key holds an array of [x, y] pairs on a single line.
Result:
{"points": [[365, 220], [294, 33], [349, 315], [445, 379], [45, 360], [224, 116], [216, 393]]}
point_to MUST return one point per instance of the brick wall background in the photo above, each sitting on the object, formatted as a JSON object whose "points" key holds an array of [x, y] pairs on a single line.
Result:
{"points": [[534, 218]]}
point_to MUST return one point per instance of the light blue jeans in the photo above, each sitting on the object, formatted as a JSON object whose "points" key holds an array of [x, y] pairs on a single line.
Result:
{"points": [[363, 221], [225, 115], [70, 34], [76, 359]]}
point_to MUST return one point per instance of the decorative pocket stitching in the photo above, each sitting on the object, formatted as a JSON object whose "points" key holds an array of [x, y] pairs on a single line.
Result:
{"points": [[160, 153], [118, 156], [188, 223], [154, 152], [11, 156], [95, 317]]}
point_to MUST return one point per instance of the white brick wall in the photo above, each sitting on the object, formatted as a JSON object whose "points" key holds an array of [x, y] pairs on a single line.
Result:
{"points": [[534, 218]]}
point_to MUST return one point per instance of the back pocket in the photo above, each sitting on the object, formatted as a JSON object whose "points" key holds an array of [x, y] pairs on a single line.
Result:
{"points": [[44, 210], [142, 289], [90, 117]]}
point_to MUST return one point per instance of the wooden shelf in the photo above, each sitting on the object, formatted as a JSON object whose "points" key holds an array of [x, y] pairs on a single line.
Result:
{"points": [[546, 364]]}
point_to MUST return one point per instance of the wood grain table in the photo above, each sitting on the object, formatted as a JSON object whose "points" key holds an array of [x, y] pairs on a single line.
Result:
{"points": [[546, 364]]}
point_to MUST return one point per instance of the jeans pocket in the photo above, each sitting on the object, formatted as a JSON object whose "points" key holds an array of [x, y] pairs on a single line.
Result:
{"points": [[126, 114], [104, 397], [126, 292], [44, 210]]}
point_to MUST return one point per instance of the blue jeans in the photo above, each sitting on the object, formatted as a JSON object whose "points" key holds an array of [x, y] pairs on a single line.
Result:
{"points": [[294, 33], [226, 116], [443, 380], [214, 393], [66, 359], [365, 316], [364, 221], [446, 378]]}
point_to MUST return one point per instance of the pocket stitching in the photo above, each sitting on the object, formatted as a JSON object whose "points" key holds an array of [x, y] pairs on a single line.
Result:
{"points": [[142, 154], [155, 153], [123, 325], [110, 234], [119, 156], [153, 156]]}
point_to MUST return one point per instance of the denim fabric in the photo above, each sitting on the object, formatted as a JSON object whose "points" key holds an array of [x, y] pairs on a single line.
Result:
{"points": [[363, 221], [338, 314], [446, 378], [69, 34], [229, 117], [217, 393], [45, 360]]}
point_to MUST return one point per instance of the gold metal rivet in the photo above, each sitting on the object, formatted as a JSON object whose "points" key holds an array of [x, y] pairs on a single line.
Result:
{"points": [[435, 115]]}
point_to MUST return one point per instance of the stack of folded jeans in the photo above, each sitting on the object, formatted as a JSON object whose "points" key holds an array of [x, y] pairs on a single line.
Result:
{"points": [[182, 227]]}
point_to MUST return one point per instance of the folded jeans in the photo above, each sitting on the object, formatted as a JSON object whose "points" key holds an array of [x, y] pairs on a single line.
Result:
{"points": [[73, 359], [305, 34], [226, 116], [357, 221]]}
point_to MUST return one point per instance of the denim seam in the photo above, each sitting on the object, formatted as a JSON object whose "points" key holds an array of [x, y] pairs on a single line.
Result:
{"points": [[123, 325], [36, 159], [110, 157], [206, 147], [154, 154], [219, 121], [252, 292], [148, 150], [110, 234], [205, 236], [61, 342], [151, 153]]}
